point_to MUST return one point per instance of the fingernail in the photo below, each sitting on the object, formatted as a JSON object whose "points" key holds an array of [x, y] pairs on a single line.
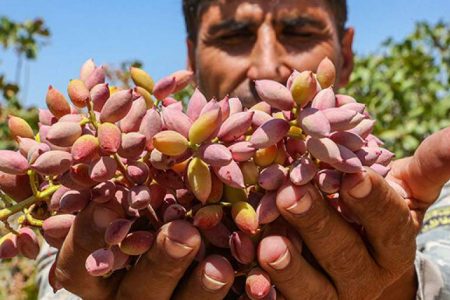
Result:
{"points": [[362, 188], [176, 249], [217, 271], [301, 205], [210, 283], [274, 251], [282, 261]]}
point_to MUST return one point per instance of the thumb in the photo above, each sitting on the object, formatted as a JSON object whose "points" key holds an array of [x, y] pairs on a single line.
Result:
{"points": [[427, 170], [85, 236]]}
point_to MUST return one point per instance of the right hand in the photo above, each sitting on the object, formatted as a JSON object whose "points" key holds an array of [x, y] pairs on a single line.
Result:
{"points": [[155, 276]]}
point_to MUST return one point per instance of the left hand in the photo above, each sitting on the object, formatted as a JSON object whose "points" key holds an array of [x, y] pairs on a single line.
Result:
{"points": [[377, 264]]}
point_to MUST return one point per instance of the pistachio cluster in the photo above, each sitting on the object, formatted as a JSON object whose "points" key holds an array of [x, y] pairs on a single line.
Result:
{"points": [[216, 164]]}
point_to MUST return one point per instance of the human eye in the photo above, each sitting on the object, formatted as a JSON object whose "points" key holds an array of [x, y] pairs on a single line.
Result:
{"points": [[236, 36], [231, 32], [299, 33], [303, 29]]}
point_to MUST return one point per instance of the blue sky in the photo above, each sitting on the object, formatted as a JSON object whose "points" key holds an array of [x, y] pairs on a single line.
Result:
{"points": [[153, 32]]}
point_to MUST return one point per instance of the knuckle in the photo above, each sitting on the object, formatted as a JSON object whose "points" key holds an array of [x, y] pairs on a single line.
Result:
{"points": [[323, 294], [63, 277], [360, 294], [290, 276], [369, 286], [300, 279], [401, 264], [309, 288], [348, 261], [317, 224], [379, 207], [163, 266], [403, 247], [328, 294], [403, 236]]}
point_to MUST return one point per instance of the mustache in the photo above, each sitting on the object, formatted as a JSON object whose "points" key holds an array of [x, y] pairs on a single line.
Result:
{"points": [[246, 92]]}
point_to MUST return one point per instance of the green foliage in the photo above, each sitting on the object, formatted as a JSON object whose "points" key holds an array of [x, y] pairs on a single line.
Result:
{"points": [[18, 275], [406, 86], [25, 39], [120, 75], [28, 114], [185, 94]]}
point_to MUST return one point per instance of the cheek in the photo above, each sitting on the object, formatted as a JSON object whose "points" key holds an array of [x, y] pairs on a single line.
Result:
{"points": [[219, 72]]}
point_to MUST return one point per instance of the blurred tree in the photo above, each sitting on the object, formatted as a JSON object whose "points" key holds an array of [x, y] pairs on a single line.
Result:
{"points": [[120, 75], [406, 86], [17, 276], [25, 39], [185, 94]]}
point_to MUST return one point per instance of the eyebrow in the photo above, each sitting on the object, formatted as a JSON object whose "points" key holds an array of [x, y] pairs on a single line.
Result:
{"points": [[234, 25], [302, 21], [229, 25]]}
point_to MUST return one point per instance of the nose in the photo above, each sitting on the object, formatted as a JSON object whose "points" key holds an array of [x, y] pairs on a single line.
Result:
{"points": [[266, 58]]}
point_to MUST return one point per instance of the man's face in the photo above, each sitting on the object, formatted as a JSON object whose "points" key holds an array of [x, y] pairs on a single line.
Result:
{"points": [[242, 41]]}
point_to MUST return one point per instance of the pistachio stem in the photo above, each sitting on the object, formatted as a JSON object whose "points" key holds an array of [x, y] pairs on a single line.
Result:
{"points": [[33, 182], [193, 146], [153, 217], [295, 112], [32, 221], [146, 157], [7, 199], [8, 227], [7, 212], [123, 169], [92, 118], [84, 121]]}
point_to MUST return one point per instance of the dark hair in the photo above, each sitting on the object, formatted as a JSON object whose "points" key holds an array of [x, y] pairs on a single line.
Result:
{"points": [[192, 10]]}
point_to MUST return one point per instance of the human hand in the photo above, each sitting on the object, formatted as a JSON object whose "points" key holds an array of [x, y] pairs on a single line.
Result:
{"points": [[155, 276], [376, 264]]}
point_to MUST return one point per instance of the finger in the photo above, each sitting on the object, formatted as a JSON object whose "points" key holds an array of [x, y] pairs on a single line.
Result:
{"points": [[211, 280], [85, 236], [293, 276], [157, 273], [385, 217], [281, 227], [428, 170], [280, 297], [333, 242]]}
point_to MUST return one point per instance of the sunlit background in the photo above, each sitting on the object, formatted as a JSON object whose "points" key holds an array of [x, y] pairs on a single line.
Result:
{"points": [[402, 67], [153, 32]]}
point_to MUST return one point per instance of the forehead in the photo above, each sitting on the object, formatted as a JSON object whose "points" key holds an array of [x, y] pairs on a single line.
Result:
{"points": [[257, 10]]}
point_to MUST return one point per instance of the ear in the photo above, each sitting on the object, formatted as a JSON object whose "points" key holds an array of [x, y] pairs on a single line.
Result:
{"points": [[347, 57], [190, 64]]}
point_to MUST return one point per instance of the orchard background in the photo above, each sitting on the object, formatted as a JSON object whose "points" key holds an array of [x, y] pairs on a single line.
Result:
{"points": [[405, 83]]}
